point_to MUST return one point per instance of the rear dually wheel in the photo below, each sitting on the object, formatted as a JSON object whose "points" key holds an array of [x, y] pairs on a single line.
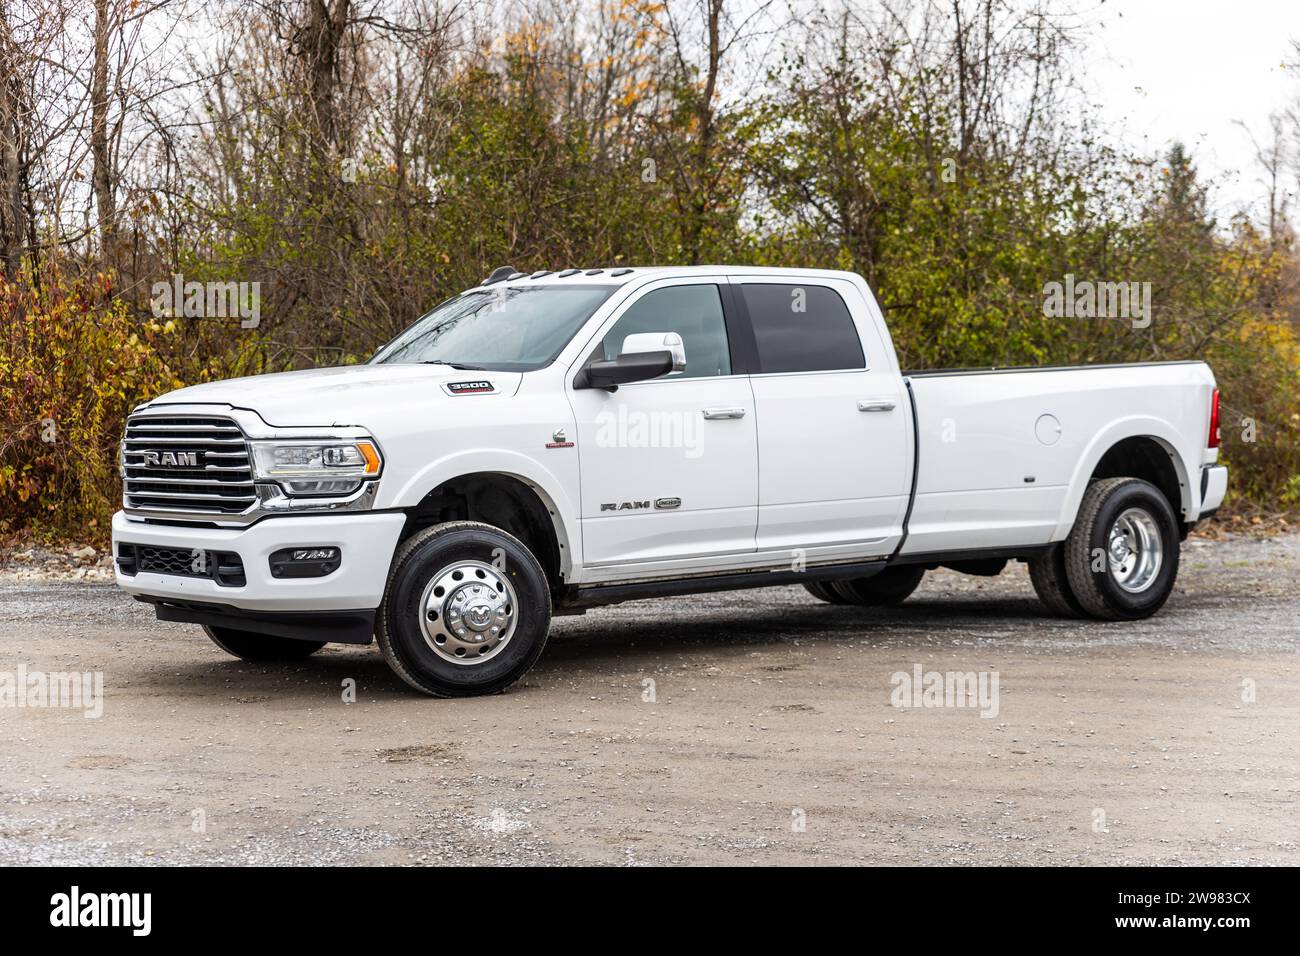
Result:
{"points": [[1121, 557], [888, 588]]}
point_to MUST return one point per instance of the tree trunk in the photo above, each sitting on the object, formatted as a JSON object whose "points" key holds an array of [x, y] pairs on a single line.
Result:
{"points": [[12, 208], [101, 155], [706, 132], [321, 44]]}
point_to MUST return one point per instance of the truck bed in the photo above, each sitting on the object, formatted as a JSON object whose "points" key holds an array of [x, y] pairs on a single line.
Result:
{"points": [[1006, 463]]}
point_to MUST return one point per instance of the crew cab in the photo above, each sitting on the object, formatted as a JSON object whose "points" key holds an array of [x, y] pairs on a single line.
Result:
{"points": [[546, 443]]}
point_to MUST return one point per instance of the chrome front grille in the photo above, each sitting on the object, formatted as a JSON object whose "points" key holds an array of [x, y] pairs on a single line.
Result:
{"points": [[188, 464]]}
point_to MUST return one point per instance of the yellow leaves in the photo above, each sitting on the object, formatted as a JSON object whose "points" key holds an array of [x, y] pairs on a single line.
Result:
{"points": [[70, 371]]}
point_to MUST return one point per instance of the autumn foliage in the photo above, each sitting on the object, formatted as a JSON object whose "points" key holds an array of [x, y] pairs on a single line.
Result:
{"points": [[359, 168]]}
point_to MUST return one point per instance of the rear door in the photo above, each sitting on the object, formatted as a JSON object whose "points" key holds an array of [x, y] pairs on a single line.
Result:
{"points": [[669, 466], [832, 420]]}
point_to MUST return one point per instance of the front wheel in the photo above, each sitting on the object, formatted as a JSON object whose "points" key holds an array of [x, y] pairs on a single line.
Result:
{"points": [[248, 646], [466, 611], [1121, 557]]}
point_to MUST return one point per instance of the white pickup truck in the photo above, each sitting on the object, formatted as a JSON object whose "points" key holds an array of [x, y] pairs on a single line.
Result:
{"points": [[546, 443]]}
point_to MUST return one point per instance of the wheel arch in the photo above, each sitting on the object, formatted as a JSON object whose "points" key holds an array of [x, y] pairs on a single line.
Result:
{"points": [[1139, 448], [516, 503]]}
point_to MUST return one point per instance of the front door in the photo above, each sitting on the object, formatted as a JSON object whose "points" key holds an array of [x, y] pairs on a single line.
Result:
{"points": [[669, 467]]}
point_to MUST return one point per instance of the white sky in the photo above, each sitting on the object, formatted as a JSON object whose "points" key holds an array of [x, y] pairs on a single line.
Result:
{"points": [[1187, 69]]}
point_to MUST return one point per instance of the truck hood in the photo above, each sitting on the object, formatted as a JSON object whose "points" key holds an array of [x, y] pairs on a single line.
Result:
{"points": [[345, 395]]}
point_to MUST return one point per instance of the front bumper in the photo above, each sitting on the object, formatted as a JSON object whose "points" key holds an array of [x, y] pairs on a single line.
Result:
{"points": [[367, 541], [1214, 484]]}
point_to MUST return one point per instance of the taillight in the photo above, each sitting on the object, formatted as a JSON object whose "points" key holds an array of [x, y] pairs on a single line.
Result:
{"points": [[1214, 421]]}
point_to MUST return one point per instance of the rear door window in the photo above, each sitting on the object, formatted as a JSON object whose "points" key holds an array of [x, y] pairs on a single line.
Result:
{"points": [[800, 327]]}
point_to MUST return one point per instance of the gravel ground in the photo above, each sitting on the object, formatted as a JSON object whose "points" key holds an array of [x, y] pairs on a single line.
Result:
{"points": [[750, 727]]}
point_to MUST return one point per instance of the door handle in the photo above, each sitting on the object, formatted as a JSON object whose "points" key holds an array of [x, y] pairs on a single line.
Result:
{"points": [[717, 414], [876, 405]]}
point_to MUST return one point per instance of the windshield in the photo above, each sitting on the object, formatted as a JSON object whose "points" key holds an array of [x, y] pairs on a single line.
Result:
{"points": [[506, 329]]}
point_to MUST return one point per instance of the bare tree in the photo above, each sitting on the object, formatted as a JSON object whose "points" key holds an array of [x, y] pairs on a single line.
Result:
{"points": [[102, 175], [13, 225], [700, 40]]}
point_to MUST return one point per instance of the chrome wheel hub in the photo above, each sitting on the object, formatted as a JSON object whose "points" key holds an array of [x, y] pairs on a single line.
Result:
{"points": [[1135, 550], [468, 612]]}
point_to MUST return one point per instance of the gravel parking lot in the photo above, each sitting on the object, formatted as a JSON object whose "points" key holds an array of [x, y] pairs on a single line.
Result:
{"points": [[748, 727]]}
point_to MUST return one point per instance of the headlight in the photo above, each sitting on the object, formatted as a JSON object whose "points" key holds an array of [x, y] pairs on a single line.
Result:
{"points": [[316, 467]]}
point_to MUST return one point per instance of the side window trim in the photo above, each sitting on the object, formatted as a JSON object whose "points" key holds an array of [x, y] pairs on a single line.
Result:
{"points": [[756, 366]]}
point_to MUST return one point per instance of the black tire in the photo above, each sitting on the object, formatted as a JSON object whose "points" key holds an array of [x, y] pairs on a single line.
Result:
{"points": [[1088, 562], [1052, 584], [823, 591], [248, 646], [889, 588], [431, 555]]}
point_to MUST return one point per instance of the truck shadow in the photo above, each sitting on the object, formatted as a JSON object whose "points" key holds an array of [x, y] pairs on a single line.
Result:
{"points": [[605, 632], [637, 635]]}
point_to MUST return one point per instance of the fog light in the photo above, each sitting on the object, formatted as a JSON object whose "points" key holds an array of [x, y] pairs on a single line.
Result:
{"points": [[305, 562]]}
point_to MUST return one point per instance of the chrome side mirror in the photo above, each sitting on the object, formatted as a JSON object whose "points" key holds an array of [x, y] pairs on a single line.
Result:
{"points": [[657, 342]]}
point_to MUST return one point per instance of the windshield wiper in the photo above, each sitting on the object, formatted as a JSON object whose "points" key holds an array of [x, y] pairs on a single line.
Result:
{"points": [[463, 366]]}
